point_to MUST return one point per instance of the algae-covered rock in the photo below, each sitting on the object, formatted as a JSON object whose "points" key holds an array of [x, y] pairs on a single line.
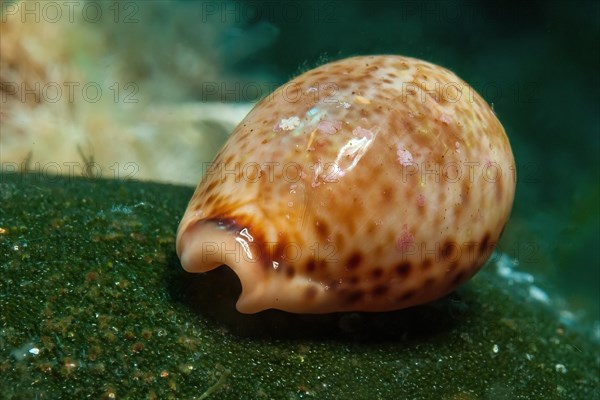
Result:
{"points": [[94, 304]]}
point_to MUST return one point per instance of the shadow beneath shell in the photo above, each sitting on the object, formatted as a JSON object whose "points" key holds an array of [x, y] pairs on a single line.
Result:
{"points": [[213, 295]]}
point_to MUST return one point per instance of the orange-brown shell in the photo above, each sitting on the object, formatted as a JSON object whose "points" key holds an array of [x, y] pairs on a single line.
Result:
{"points": [[367, 184]]}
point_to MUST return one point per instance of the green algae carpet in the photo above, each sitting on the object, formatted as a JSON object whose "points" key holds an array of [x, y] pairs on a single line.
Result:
{"points": [[94, 304]]}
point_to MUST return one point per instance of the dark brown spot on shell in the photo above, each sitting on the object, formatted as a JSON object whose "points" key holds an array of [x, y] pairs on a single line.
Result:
{"points": [[426, 264], [355, 296], [379, 290], [409, 126], [354, 261], [371, 227], [376, 273], [289, 271], [403, 269], [387, 194], [322, 229], [354, 280], [448, 249], [458, 209], [311, 265]]}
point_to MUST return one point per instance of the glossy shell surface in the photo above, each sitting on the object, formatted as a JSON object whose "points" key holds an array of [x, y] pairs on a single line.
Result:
{"points": [[372, 183]]}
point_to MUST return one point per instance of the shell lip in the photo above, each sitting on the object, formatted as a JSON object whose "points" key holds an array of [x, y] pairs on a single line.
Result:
{"points": [[205, 244]]}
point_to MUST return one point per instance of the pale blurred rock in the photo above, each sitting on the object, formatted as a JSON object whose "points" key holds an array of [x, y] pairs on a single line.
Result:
{"points": [[110, 99]]}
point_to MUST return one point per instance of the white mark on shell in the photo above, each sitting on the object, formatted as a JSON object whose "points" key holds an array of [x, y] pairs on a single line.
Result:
{"points": [[351, 153], [404, 157], [287, 124], [244, 242]]}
